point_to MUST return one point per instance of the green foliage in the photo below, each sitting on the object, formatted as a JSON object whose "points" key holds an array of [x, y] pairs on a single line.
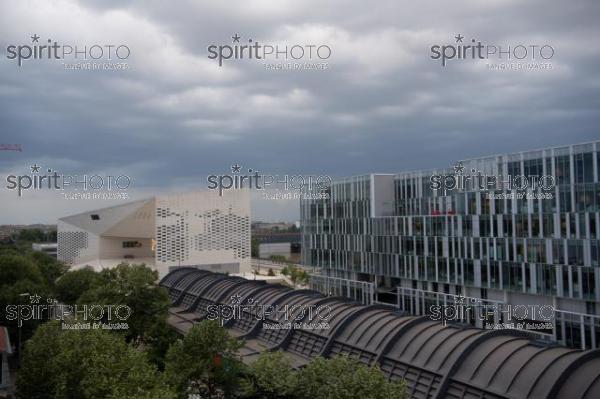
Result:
{"points": [[204, 362], [73, 284], [296, 274], [50, 268], [19, 275], [254, 247], [86, 364], [158, 339], [15, 268], [36, 235], [101, 364], [134, 286], [344, 378], [278, 258], [270, 376]]}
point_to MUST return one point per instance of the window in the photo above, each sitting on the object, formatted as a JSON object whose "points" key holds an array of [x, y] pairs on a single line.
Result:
{"points": [[588, 283], [563, 173], [584, 169], [575, 252], [95, 216], [132, 244], [534, 167]]}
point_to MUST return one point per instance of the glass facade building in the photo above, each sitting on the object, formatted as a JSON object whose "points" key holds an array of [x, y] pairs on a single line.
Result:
{"points": [[512, 229]]}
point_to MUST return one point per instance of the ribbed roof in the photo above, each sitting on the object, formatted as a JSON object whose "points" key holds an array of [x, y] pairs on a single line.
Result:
{"points": [[436, 360]]}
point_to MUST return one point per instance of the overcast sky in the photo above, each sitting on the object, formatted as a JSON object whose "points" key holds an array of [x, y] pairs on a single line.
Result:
{"points": [[383, 105]]}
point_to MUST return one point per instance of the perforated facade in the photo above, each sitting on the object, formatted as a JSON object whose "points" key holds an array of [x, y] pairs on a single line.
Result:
{"points": [[200, 229]]}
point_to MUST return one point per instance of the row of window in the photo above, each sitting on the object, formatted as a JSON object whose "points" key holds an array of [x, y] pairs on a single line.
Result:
{"points": [[540, 279], [552, 251], [567, 198], [559, 167], [573, 225]]}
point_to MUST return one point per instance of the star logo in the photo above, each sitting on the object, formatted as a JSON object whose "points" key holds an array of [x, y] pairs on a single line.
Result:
{"points": [[35, 38], [236, 299], [459, 299], [236, 168], [35, 298], [35, 168], [459, 38], [459, 168], [236, 38]]}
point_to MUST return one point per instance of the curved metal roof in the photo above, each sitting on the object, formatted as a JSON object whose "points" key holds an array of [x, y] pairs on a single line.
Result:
{"points": [[435, 360], [170, 279]]}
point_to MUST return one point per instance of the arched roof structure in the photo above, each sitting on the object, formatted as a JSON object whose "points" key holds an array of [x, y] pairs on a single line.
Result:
{"points": [[435, 360]]}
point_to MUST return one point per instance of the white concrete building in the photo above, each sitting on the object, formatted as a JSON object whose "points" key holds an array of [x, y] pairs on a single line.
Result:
{"points": [[200, 229]]}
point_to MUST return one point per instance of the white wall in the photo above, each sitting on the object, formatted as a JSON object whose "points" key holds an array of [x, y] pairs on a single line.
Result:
{"points": [[112, 248], [203, 228]]}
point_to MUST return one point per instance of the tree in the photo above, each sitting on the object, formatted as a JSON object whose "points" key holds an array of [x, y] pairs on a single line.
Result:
{"points": [[50, 268], [204, 362], [296, 274], [344, 378], [14, 268], [159, 339], [32, 235], [135, 286], [278, 258], [270, 376], [86, 364], [73, 284], [254, 247], [20, 278]]}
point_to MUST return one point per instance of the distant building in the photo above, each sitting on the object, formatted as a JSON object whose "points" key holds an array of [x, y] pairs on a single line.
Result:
{"points": [[48, 248], [277, 233], [200, 229], [278, 226], [284, 249], [5, 352], [274, 236]]}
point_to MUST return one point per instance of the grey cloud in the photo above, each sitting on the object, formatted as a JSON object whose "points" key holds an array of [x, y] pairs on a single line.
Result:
{"points": [[383, 106]]}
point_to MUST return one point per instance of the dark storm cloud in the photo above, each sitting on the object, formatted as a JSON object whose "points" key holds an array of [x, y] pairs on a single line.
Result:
{"points": [[382, 106]]}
